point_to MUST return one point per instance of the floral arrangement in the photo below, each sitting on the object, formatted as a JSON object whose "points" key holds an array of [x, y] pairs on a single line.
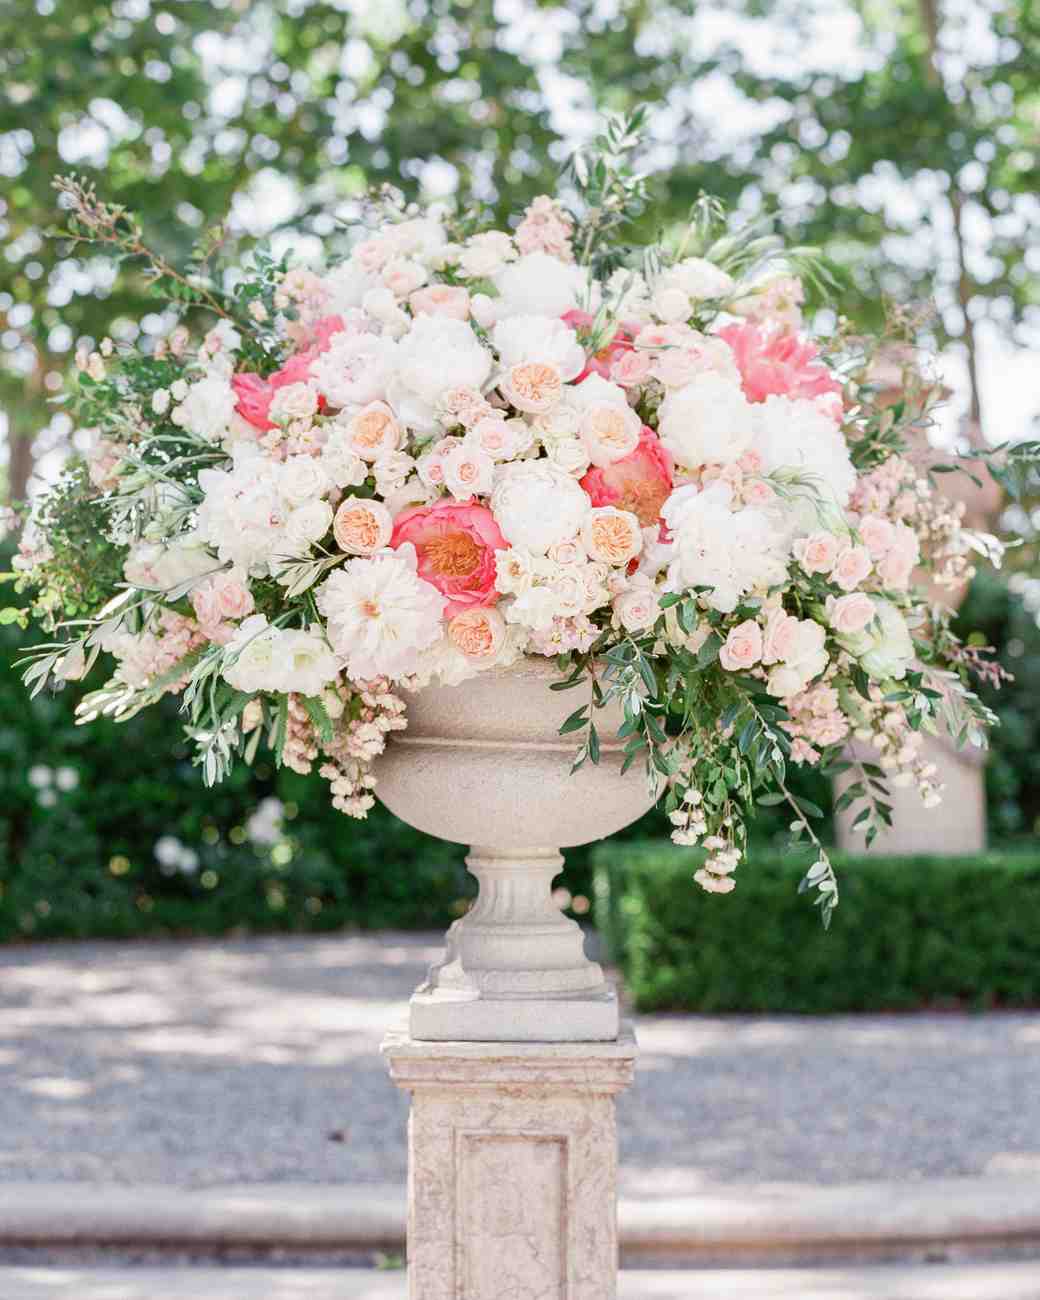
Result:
{"points": [[459, 445]]}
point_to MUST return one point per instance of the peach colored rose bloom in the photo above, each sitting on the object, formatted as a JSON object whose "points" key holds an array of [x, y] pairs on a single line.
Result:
{"points": [[851, 567], [610, 432], [850, 613], [440, 300], [467, 405], [877, 534], [362, 526], [477, 632], [373, 432], [630, 368], [612, 536], [533, 386], [743, 647], [780, 638], [757, 492], [817, 553], [234, 599], [637, 608]]}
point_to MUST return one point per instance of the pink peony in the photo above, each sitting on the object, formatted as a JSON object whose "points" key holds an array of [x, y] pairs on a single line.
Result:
{"points": [[455, 543], [255, 393], [639, 482], [774, 363]]}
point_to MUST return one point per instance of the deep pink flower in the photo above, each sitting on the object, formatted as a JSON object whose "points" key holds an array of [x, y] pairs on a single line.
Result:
{"points": [[638, 482], [602, 361], [255, 393], [772, 363], [455, 544]]}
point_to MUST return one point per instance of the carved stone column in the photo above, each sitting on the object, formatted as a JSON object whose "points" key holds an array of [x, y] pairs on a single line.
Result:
{"points": [[512, 1167]]}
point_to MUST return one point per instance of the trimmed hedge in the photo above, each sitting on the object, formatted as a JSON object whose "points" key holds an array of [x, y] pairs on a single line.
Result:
{"points": [[909, 933]]}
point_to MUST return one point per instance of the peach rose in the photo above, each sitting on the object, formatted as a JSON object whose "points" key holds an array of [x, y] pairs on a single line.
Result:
{"points": [[851, 567], [637, 608], [850, 613], [495, 437], [456, 544], [743, 647], [533, 386], [362, 526], [477, 632], [630, 369], [373, 431], [877, 534], [610, 432], [441, 300], [780, 638], [612, 536], [817, 553]]}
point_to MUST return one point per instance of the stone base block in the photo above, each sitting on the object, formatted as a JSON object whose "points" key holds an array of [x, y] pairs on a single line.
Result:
{"points": [[512, 1183], [440, 1015]]}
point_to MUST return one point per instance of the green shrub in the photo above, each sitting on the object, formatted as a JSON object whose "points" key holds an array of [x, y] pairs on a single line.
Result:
{"points": [[909, 932]]}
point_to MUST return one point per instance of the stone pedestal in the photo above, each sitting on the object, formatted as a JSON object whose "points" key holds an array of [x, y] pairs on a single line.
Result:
{"points": [[512, 1167], [955, 826]]}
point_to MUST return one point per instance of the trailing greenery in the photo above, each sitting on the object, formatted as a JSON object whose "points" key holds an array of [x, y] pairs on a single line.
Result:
{"points": [[911, 932]]}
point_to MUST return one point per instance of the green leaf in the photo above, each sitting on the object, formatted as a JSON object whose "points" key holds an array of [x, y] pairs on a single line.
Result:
{"points": [[319, 717], [771, 800], [575, 722]]}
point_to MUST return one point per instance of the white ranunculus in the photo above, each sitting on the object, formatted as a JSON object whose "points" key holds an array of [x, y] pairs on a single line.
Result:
{"points": [[536, 505], [437, 353], [798, 434], [539, 338], [381, 615], [539, 285], [307, 664], [252, 659], [884, 648], [207, 408], [708, 420], [730, 551], [302, 479], [355, 369]]}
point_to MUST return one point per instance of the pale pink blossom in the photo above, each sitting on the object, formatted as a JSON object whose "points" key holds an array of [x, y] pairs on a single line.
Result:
{"points": [[743, 647], [817, 553], [440, 300], [850, 613], [851, 567]]}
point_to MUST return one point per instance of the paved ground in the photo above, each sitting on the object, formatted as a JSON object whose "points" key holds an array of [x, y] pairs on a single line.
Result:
{"points": [[205, 1063], [975, 1282]]}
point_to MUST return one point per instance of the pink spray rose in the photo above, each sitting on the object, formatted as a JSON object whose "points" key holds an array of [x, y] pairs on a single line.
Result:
{"points": [[774, 363], [455, 544], [639, 482], [743, 647], [850, 613], [851, 567], [817, 553]]}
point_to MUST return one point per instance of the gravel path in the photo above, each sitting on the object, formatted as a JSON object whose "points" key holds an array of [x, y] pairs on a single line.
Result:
{"points": [[255, 1060]]}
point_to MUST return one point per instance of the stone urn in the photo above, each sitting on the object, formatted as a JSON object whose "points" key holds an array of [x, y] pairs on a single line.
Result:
{"points": [[483, 764]]}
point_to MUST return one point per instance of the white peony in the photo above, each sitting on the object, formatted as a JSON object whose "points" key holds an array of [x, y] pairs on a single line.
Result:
{"points": [[729, 551], [885, 647], [798, 434], [537, 505], [539, 338], [708, 420], [355, 369], [539, 285], [207, 408], [346, 286], [340, 462], [437, 353], [381, 614]]}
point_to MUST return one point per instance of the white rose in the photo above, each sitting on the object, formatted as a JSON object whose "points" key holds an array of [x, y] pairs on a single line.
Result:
{"points": [[306, 662], [637, 607], [537, 505], [672, 305], [252, 657], [806, 659], [568, 454], [468, 472], [306, 525], [885, 649], [708, 420], [302, 479], [700, 279]]}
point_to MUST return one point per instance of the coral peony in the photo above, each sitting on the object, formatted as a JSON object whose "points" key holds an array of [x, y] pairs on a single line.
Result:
{"points": [[776, 364], [255, 394], [455, 543], [639, 482]]}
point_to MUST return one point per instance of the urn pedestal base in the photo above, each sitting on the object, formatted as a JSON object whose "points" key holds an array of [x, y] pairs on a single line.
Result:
{"points": [[512, 1167], [514, 967]]}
